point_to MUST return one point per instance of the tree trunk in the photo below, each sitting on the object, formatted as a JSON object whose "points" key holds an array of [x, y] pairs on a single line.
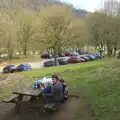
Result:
{"points": [[25, 48], [109, 51], [79, 48], [10, 54], [33, 52], [55, 57], [47, 50], [10, 57], [115, 49], [25, 52], [101, 56]]}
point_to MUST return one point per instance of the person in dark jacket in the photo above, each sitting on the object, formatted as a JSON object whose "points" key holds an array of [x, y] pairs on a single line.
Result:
{"points": [[56, 91]]}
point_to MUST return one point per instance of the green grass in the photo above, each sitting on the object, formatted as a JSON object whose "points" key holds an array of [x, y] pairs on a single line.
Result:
{"points": [[99, 81]]}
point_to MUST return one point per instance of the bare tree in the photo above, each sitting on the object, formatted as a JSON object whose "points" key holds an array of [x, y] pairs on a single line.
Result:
{"points": [[96, 24], [56, 34]]}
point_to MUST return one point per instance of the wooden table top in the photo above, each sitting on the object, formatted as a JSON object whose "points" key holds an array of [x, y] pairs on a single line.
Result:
{"points": [[29, 92]]}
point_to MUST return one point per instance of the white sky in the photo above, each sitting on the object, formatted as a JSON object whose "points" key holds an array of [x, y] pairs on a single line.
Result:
{"points": [[89, 5]]}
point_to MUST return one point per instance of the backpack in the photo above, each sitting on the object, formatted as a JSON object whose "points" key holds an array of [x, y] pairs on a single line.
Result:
{"points": [[65, 92]]}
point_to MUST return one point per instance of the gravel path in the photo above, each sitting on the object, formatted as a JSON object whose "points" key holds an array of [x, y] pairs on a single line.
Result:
{"points": [[35, 65]]}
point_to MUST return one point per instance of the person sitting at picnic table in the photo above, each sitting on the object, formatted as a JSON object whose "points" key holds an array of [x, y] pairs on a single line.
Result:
{"points": [[47, 88], [56, 91]]}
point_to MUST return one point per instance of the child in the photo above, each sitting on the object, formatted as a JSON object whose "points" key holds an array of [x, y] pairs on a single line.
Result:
{"points": [[47, 89], [65, 89]]}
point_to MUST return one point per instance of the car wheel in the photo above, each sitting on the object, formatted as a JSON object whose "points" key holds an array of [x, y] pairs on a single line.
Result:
{"points": [[12, 71]]}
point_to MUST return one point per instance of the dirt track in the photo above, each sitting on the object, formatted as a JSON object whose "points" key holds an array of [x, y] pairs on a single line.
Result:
{"points": [[73, 109]]}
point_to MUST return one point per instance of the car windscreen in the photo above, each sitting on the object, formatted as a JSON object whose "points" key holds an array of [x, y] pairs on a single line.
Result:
{"points": [[51, 61], [9, 66]]}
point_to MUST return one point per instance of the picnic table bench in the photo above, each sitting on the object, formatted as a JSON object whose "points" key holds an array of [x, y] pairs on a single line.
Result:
{"points": [[10, 99], [17, 96], [50, 106]]}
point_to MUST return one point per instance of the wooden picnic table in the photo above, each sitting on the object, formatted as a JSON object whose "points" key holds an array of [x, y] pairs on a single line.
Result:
{"points": [[17, 96]]}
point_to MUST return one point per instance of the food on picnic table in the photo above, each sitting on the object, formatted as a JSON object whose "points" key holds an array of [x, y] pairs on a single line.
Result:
{"points": [[42, 83]]}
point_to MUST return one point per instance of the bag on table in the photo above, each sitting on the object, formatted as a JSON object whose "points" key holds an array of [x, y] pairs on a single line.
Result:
{"points": [[37, 84]]}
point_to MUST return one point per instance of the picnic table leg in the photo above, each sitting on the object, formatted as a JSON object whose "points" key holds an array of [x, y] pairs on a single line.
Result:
{"points": [[17, 107], [32, 99]]}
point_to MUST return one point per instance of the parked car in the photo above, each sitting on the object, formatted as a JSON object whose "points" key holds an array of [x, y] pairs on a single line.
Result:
{"points": [[10, 69], [24, 67], [85, 57], [91, 57], [67, 54], [61, 55], [46, 56], [97, 55], [81, 53], [51, 63], [73, 53], [75, 59], [63, 60]]}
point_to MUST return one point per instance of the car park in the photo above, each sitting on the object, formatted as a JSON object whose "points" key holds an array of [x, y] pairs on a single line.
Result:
{"points": [[73, 57]]}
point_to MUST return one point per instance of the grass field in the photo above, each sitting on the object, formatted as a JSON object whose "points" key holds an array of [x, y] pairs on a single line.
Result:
{"points": [[18, 59], [99, 82]]}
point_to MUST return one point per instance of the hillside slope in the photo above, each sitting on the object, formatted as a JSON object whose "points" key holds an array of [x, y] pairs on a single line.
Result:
{"points": [[38, 4]]}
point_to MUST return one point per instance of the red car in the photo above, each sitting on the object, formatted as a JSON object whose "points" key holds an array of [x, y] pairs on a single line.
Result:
{"points": [[74, 53], [75, 60]]}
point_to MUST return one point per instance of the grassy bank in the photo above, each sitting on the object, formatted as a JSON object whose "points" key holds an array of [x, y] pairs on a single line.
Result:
{"points": [[98, 80]]}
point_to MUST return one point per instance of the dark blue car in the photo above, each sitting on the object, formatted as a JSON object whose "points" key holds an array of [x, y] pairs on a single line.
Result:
{"points": [[24, 67], [9, 69]]}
